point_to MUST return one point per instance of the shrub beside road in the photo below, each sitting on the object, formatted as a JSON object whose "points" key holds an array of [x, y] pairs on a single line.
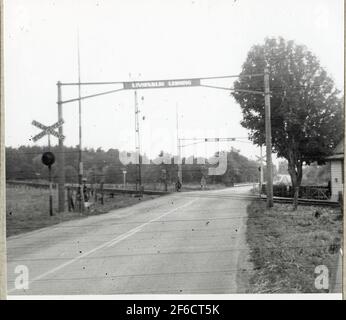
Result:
{"points": [[286, 246]]}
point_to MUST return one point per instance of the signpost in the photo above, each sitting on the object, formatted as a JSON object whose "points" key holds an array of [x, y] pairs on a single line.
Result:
{"points": [[48, 158], [218, 139], [124, 179]]}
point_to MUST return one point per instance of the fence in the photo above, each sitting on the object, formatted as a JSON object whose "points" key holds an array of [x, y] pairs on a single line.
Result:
{"points": [[305, 192]]}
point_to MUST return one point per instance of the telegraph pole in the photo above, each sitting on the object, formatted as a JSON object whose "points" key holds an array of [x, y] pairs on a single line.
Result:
{"points": [[269, 185], [138, 146], [61, 156], [50, 182], [261, 169], [80, 162], [180, 172]]}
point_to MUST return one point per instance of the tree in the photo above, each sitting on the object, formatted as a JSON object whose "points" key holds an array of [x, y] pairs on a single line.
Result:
{"points": [[71, 174], [113, 174], [306, 108]]}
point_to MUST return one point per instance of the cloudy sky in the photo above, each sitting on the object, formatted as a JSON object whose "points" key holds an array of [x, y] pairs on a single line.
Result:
{"points": [[144, 40]]}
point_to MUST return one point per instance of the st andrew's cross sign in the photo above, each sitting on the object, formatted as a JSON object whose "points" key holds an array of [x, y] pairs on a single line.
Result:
{"points": [[48, 130], [261, 158]]}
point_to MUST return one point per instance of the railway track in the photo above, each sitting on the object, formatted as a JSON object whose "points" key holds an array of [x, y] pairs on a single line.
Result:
{"points": [[192, 194], [309, 202]]}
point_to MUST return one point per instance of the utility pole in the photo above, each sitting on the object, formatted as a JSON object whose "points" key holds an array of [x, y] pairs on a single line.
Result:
{"points": [[261, 169], [50, 182], [269, 185], [180, 172], [180, 163], [61, 156], [80, 162], [138, 147]]}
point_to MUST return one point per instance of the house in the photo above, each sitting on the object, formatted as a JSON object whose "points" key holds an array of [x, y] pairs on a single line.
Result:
{"points": [[282, 179], [337, 171]]}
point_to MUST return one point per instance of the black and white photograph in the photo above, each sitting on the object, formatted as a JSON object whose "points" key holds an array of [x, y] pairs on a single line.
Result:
{"points": [[182, 149]]}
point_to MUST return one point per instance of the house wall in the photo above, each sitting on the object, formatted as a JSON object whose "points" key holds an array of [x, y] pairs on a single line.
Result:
{"points": [[336, 168]]}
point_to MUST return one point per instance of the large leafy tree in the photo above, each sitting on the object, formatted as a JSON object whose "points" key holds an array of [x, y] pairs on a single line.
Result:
{"points": [[306, 107]]}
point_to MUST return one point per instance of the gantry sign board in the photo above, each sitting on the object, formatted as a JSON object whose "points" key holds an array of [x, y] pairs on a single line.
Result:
{"points": [[162, 84], [48, 130], [218, 139]]}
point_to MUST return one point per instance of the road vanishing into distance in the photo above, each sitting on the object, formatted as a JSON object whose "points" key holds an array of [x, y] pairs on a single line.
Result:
{"points": [[182, 243]]}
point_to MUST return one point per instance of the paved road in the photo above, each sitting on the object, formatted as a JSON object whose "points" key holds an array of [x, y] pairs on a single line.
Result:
{"points": [[191, 242]]}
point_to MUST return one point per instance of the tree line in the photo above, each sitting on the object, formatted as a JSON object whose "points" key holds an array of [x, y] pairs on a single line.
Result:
{"points": [[24, 163]]}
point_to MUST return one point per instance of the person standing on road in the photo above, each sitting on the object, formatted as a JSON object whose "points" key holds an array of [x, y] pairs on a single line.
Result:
{"points": [[178, 185]]}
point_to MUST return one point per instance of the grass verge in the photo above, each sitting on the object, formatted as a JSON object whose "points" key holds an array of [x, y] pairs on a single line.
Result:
{"points": [[27, 209], [286, 246]]}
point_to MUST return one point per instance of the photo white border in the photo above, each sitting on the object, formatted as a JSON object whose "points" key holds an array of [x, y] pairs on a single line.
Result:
{"points": [[3, 282]]}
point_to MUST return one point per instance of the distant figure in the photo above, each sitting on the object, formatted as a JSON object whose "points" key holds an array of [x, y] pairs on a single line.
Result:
{"points": [[85, 192], [102, 193], [203, 182], [178, 185], [70, 199]]}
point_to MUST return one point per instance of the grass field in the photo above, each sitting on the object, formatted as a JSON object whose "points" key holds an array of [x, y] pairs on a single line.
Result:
{"points": [[286, 246], [27, 208]]}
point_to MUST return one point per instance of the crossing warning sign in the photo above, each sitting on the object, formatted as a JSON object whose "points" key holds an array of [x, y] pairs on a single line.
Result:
{"points": [[48, 130]]}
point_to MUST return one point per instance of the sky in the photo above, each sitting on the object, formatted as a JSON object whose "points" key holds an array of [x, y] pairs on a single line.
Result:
{"points": [[148, 40]]}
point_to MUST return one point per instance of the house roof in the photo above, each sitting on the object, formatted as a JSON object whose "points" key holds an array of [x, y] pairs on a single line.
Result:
{"points": [[339, 148], [338, 152]]}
